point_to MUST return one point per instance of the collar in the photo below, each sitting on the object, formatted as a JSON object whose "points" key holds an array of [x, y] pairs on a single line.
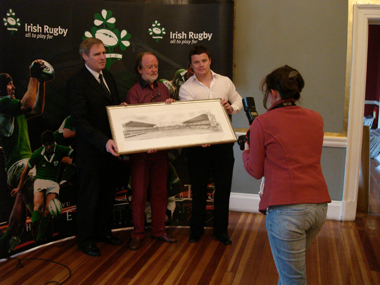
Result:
{"points": [[283, 103], [143, 83], [94, 73], [52, 155]]}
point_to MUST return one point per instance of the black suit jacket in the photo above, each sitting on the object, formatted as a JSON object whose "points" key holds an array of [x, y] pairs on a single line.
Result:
{"points": [[88, 103]]}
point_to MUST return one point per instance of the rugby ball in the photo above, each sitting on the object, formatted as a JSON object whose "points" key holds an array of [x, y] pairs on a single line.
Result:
{"points": [[157, 31], [168, 85], [47, 73], [55, 208], [11, 21], [108, 37]]}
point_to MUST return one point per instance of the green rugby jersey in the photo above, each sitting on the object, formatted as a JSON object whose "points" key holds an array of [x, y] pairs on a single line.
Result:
{"points": [[14, 137], [48, 167]]}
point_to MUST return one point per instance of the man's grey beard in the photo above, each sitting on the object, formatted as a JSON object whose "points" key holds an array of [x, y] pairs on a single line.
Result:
{"points": [[152, 78]]}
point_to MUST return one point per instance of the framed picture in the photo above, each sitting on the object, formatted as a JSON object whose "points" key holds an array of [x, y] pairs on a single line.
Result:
{"points": [[142, 127]]}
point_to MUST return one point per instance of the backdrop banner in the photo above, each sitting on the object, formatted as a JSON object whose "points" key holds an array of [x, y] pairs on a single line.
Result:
{"points": [[53, 30]]}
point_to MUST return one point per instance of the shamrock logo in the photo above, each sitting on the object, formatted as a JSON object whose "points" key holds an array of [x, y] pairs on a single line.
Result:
{"points": [[104, 30], [156, 31], [11, 22]]}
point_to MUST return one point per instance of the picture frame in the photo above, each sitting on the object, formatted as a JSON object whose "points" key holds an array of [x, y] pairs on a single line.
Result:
{"points": [[142, 127]]}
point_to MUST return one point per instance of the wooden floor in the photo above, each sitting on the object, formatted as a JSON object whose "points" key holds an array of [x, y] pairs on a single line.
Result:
{"points": [[343, 253]]}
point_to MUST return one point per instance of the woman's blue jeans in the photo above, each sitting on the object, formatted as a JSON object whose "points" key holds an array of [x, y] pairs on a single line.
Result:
{"points": [[291, 229]]}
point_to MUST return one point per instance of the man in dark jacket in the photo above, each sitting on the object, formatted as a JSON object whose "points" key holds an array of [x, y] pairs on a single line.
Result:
{"points": [[90, 91]]}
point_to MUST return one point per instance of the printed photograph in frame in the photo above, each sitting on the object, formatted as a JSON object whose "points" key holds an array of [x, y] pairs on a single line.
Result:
{"points": [[142, 127]]}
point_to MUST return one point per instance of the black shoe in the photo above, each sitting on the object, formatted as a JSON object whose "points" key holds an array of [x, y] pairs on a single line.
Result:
{"points": [[194, 237], [167, 238], [110, 239], [135, 243], [224, 238], [89, 248]]}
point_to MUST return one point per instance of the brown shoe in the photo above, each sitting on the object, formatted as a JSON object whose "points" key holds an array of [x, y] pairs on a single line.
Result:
{"points": [[135, 243], [167, 238]]}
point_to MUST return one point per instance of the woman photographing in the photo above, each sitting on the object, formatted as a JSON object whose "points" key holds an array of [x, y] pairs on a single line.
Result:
{"points": [[285, 147]]}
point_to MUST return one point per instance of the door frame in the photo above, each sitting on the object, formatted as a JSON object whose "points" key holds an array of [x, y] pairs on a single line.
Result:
{"points": [[363, 16]]}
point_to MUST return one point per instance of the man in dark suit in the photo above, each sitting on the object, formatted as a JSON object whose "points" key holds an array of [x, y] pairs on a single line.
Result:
{"points": [[90, 91]]}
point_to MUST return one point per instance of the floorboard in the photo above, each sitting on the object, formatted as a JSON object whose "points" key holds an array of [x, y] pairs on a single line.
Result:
{"points": [[343, 253]]}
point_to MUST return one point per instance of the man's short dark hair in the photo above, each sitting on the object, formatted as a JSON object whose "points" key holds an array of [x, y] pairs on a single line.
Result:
{"points": [[138, 63], [47, 137], [196, 50]]}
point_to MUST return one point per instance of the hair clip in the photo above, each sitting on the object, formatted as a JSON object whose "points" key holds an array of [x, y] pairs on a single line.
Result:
{"points": [[292, 74]]}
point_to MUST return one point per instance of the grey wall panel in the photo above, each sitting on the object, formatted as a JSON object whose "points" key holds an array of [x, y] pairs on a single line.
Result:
{"points": [[332, 161], [308, 35]]}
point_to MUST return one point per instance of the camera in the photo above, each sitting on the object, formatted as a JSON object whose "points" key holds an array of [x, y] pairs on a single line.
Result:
{"points": [[250, 111]]}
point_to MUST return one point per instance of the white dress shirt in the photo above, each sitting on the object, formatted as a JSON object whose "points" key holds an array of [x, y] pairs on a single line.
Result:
{"points": [[96, 75], [220, 87]]}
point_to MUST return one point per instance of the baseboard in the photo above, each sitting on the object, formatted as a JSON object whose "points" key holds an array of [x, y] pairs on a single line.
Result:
{"points": [[242, 202]]}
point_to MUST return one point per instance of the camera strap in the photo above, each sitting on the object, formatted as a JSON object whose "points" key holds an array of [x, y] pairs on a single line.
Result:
{"points": [[284, 103]]}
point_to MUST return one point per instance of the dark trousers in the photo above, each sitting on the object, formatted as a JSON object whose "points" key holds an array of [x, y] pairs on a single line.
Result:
{"points": [[217, 160], [149, 171], [96, 196]]}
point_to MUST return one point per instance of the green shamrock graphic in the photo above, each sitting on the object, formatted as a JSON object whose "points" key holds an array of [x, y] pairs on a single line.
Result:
{"points": [[105, 31], [156, 31], [11, 22]]}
